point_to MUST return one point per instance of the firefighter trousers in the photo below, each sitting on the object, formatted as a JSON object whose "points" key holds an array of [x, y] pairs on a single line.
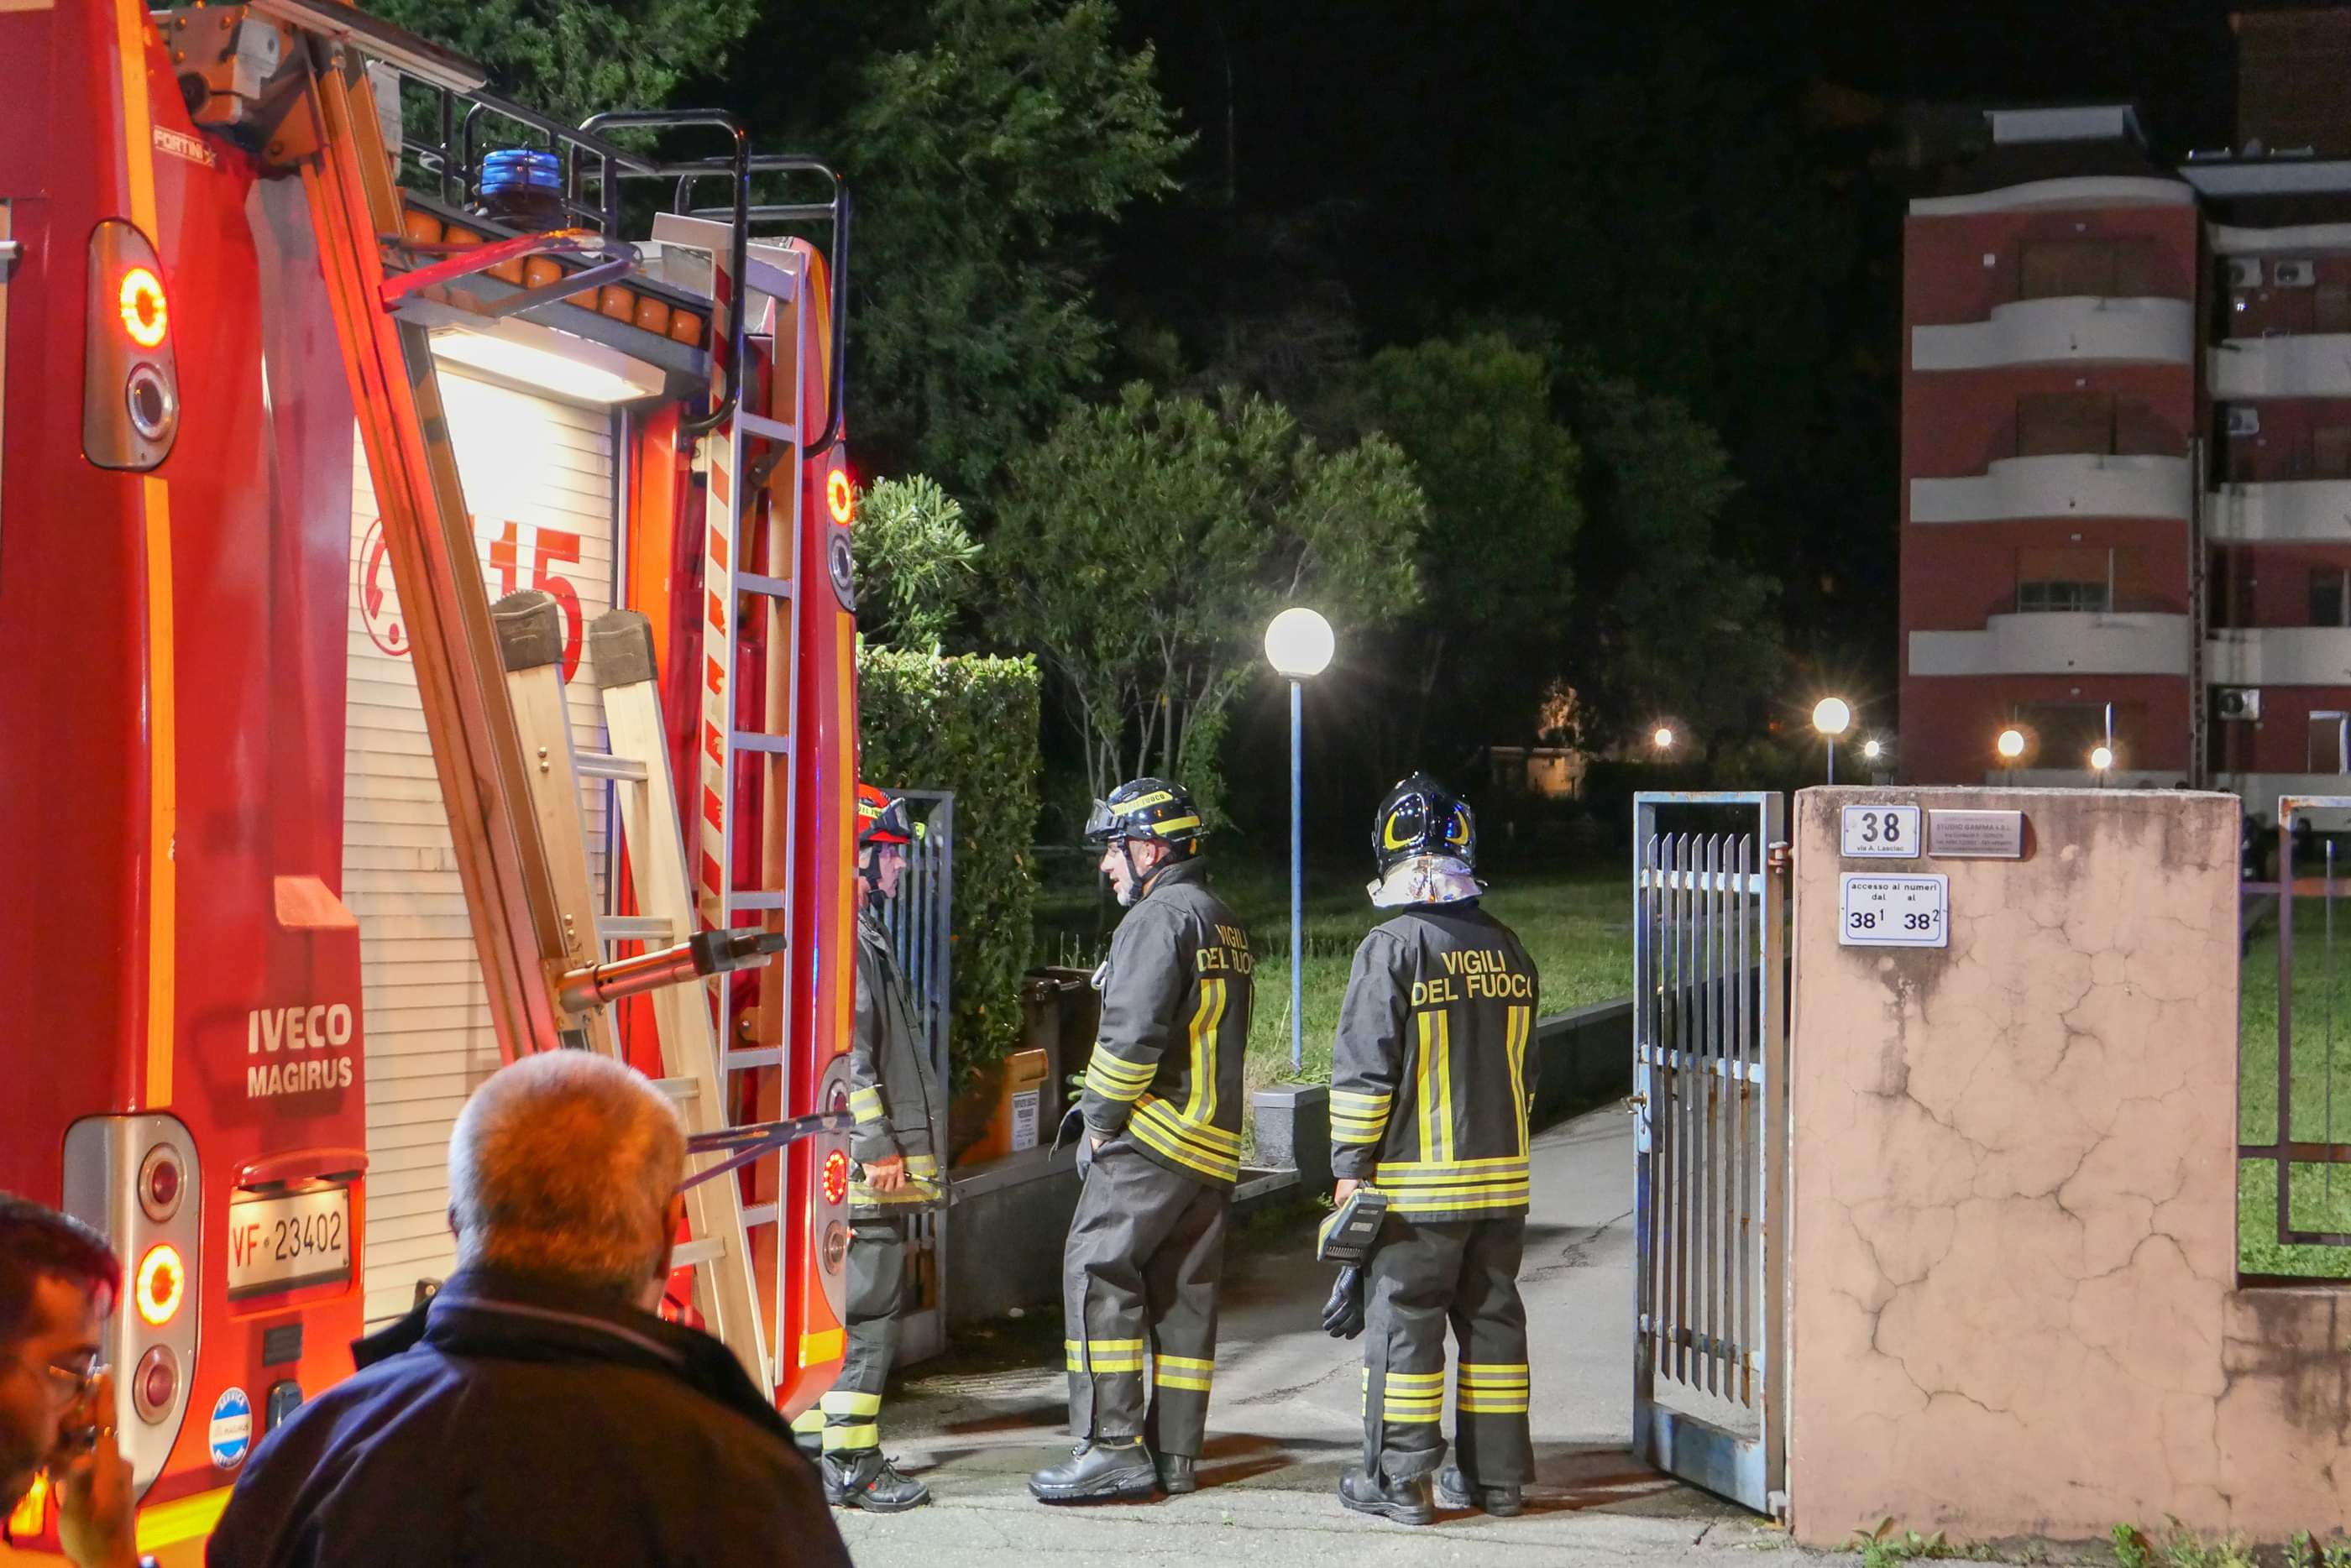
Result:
{"points": [[850, 1413], [1423, 1276], [1146, 1255]]}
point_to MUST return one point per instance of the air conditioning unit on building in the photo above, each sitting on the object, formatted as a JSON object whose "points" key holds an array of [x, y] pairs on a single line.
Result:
{"points": [[2296, 274], [2237, 702], [2244, 272], [2243, 420]]}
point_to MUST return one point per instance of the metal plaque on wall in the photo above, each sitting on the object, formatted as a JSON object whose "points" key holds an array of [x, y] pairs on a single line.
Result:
{"points": [[1976, 835]]}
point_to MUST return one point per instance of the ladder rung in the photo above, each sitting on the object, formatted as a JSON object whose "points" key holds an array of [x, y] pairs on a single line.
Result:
{"points": [[754, 740], [744, 1061], [636, 929], [695, 1253], [604, 765], [679, 1088], [741, 902], [758, 1214], [768, 429], [754, 583]]}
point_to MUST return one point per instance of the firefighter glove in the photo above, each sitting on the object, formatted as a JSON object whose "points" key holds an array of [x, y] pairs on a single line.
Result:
{"points": [[1343, 1314]]}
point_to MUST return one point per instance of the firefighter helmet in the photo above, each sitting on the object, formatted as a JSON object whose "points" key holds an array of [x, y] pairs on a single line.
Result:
{"points": [[1148, 808], [882, 818], [1421, 817]]}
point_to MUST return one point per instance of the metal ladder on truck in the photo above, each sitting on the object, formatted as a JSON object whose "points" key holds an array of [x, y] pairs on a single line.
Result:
{"points": [[501, 745], [529, 627]]}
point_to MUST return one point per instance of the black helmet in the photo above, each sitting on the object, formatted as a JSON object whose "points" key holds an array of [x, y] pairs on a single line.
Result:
{"points": [[1421, 817], [1148, 808]]}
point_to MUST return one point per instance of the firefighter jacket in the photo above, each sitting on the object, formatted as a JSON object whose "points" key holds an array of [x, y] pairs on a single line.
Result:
{"points": [[1166, 1068], [891, 1092], [1431, 1079]]}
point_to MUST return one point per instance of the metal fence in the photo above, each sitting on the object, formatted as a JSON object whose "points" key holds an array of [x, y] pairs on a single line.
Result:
{"points": [[1710, 1142], [2315, 1157], [920, 921]]}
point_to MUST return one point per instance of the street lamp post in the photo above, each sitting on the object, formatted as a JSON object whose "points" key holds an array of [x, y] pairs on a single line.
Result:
{"points": [[1831, 718], [1299, 645]]}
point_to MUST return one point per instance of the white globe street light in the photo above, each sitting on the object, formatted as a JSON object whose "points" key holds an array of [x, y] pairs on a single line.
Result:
{"points": [[2100, 759], [1299, 645], [1831, 718], [1662, 739], [1873, 749], [2012, 743]]}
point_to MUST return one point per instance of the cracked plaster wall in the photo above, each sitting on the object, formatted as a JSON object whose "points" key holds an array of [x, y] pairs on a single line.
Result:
{"points": [[2013, 1281]]}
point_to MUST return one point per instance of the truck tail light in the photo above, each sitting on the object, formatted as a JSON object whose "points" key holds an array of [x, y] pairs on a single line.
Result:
{"points": [[138, 1178], [162, 1284], [130, 378], [145, 316]]}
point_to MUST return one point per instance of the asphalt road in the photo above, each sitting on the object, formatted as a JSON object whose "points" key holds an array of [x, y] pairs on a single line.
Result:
{"points": [[1284, 1422]]}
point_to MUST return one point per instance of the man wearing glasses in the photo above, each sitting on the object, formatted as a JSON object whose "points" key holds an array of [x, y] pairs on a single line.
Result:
{"points": [[58, 1280]]}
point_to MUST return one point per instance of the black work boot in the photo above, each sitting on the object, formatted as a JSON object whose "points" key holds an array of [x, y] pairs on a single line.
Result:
{"points": [[1455, 1490], [866, 1479], [1175, 1476], [1098, 1472], [1405, 1502]]}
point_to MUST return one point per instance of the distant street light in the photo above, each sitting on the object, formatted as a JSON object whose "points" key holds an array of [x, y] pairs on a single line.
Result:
{"points": [[1831, 718], [2100, 759], [1299, 645], [1663, 738], [2012, 743]]}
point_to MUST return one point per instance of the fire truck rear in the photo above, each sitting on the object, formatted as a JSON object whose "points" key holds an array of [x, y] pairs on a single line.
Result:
{"points": [[308, 350]]}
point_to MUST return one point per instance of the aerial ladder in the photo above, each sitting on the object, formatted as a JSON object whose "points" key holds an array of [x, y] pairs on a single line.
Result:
{"points": [[310, 87]]}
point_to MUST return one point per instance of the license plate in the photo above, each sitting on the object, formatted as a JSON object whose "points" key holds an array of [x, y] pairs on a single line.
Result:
{"points": [[280, 1244]]}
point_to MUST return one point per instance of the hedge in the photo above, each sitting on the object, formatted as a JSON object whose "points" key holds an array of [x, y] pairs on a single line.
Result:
{"points": [[966, 723]]}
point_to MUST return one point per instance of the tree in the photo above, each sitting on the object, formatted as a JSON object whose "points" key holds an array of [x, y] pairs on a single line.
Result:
{"points": [[1677, 624], [570, 58], [1142, 546], [1497, 563], [915, 562], [981, 156]]}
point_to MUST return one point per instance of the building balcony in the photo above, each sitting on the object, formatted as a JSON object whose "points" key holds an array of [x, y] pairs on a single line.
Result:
{"points": [[2073, 330], [2285, 512], [2301, 365], [2086, 484], [2058, 642], [2280, 656]]}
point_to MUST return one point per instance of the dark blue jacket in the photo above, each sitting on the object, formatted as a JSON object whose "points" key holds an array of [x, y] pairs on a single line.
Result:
{"points": [[512, 1422]]}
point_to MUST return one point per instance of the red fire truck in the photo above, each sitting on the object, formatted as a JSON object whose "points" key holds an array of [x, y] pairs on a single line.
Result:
{"points": [[308, 350]]}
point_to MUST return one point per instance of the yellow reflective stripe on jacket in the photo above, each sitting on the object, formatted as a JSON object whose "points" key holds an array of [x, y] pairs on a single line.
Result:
{"points": [[1422, 1187], [1200, 1106], [1182, 1372], [1113, 1077], [1103, 1354], [865, 1105], [1359, 1117], [1210, 1150], [1434, 1080], [1521, 1026]]}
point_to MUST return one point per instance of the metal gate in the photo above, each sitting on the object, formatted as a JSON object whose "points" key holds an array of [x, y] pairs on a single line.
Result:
{"points": [[920, 920], [2310, 1213], [1710, 1094]]}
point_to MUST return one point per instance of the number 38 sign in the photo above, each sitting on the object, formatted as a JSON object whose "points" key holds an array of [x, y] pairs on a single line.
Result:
{"points": [[1892, 911]]}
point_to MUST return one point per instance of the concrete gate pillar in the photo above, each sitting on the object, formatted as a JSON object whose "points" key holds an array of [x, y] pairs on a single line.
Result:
{"points": [[2014, 1307]]}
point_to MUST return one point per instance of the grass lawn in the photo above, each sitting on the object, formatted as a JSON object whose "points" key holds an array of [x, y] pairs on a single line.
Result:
{"points": [[1576, 922], [2322, 1029]]}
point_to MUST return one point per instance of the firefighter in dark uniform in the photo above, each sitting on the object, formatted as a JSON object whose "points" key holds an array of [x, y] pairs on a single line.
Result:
{"points": [[897, 1102], [1431, 1086], [1160, 1147]]}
